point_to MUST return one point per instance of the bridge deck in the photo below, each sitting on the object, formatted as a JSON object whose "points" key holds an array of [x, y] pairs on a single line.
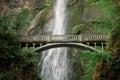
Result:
{"points": [[64, 38]]}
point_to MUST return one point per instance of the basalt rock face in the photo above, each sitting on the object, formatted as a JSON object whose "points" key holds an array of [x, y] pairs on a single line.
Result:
{"points": [[8, 6], [106, 71], [79, 12], [15, 6], [33, 6], [82, 13]]}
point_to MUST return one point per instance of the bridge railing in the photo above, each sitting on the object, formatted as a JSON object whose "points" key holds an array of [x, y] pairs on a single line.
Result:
{"points": [[64, 38]]}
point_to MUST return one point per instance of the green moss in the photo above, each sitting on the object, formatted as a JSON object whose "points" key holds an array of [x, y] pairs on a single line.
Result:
{"points": [[78, 28], [76, 14]]}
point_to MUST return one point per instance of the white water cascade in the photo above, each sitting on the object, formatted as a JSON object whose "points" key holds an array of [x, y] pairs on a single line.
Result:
{"points": [[54, 61]]}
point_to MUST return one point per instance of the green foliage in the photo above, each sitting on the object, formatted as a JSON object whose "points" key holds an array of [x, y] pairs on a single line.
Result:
{"points": [[102, 26], [7, 75], [111, 10], [98, 26], [110, 7], [12, 23], [116, 63], [5, 23], [49, 3], [104, 3], [78, 28], [89, 60], [76, 13], [70, 1], [84, 63], [22, 60], [15, 62], [91, 1], [21, 20], [29, 56]]}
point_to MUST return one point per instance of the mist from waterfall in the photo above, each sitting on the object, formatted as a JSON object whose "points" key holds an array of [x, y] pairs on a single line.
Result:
{"points": [[54, 62]]}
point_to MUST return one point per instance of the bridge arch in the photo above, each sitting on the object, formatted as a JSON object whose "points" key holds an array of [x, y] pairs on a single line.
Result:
{"points": [[56, 45]]}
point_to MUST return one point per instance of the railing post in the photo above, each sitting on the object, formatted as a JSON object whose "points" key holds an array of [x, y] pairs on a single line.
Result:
{"points": [[27, 45], [75, 38], [43, 38], [79, 38], [49, 38], [40, 44], [33, 45], [88, 44], [95, 45], [30, 38], [102, 46], [58, 37]]}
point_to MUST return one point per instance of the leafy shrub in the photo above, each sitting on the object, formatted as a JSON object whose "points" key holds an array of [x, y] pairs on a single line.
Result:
{"points": [[89, 60]]}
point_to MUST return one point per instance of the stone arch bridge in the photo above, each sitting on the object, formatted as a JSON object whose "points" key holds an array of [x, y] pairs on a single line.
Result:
{"points": [[44, 42]]}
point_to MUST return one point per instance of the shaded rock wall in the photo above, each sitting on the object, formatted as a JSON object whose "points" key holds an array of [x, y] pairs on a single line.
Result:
{"points": [[17, 5]]}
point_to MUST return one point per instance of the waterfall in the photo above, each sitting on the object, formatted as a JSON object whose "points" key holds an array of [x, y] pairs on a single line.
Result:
{"points": [[60, 16], [54, 62]]}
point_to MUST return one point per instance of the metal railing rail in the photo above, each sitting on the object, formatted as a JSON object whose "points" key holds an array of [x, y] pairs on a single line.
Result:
{"points": [[64, 38]]}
